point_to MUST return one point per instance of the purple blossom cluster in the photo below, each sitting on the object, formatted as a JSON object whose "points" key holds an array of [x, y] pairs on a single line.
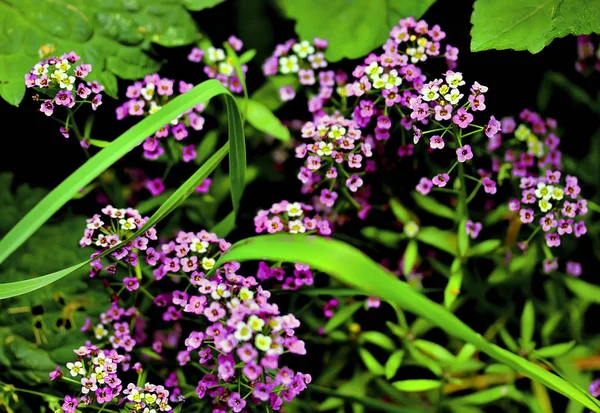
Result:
{"points": [[106, 230], [290, 217], [217, 65], [64, 83], [149, 96], [525, 148], [555, 205], [588, 54], [98, 371], [302, 58]]}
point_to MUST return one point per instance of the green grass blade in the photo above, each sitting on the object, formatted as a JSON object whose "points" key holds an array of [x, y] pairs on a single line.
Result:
{"points": [[351, 266], [120, 147], [14, 289]]}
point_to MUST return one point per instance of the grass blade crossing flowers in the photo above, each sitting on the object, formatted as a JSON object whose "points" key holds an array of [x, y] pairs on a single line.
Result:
{"points": [[351, 266], [14, 289], [121, 146]]}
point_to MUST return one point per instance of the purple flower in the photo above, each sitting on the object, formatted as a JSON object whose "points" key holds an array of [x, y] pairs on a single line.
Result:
{"points": [[328, 197], [579, 229], [196, 55], [550, 265], [47, 107], [155, 186], [462, 118], [354, 182], [64, 98], [492, 128], [574, 268], [97, 101], [188, 153], [131, 283], [424, 186], [553, 240], [464, 154], [436, 142], [64, 131], [440, 180], [514, 205], [595, 388], [526, 216], [286, 93], [565, 226], [55, 374], [473, 228], [489, 186], [179, 131], [70, 404]]}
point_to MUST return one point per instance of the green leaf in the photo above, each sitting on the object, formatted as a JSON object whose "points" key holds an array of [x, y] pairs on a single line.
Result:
{"points": [[527, 322], [440, 239], [352, 27], [268, 93], [432, 206], [452, 289], [121, 146], [484, 248], [434, 350], [584, 290], [400, 212], [385, 237], [416, 385], [371, 362], [393, 364], [197, 5], [555, 350], [530, 24], [262, 119], [150, 353], [411, 256], [379, 339], [483, 396], [17, 288], [349, 265], [341, 316], [113, 36]]}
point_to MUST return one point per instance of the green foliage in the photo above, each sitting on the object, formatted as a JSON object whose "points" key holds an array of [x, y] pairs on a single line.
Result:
{"points": [[530, 24], [115, 36], [349, 265], [352, 27]]}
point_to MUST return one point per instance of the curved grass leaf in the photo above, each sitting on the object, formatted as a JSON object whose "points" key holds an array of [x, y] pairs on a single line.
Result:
{"points": [[434, 207], [416, 385], [351, 266], [14, 289], [121, 146]]}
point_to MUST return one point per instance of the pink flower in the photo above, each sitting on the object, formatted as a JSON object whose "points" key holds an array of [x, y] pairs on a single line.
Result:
{"points": [[526, 216], [188, 153], [155, 186], [131, 283], [472, 228], [286, 93], [464, 154], [492, 128], [489, 186], [354, 182], [327, 197], [553, 240], [462, 118], [573, 268], [424, 186], [440, 180]]}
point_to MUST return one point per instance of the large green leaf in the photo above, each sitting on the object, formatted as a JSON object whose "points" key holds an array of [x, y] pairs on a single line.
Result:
{"points": [[351, 266], [17, 288], [530, 24], [121, 146], [112, 35], [352, 27]]}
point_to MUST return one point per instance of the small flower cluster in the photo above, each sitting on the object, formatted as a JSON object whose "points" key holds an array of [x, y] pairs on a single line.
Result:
{"points": [[558, 206], [219, 66], [116, 324], [588, 55], [533, 149], [303, 58], [101, 384], [336, 152], [149, 96], [120, 225], [63, 82], [189, 252], [298, 275], [290, 217]]}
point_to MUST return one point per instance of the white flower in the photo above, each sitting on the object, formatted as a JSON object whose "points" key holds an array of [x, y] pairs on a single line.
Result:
{"points": [[454, 96], [262, 342], [544, 191], [303, 49], [294, 209], [40, 69], [411, 229], [76, 368], [288, 64], [544, 205], [100, 331], [198, 245], [243, 332], [336, 132], [430, 93], [208, 263], [128, 224], [296, 227], [63, 65], [154, 108], [373, 70], [225, 69], [220, 292], [325, 149], [393, 79], [256, 323], [148, 91], [455, 79], [214, 54], [245, 294]]}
